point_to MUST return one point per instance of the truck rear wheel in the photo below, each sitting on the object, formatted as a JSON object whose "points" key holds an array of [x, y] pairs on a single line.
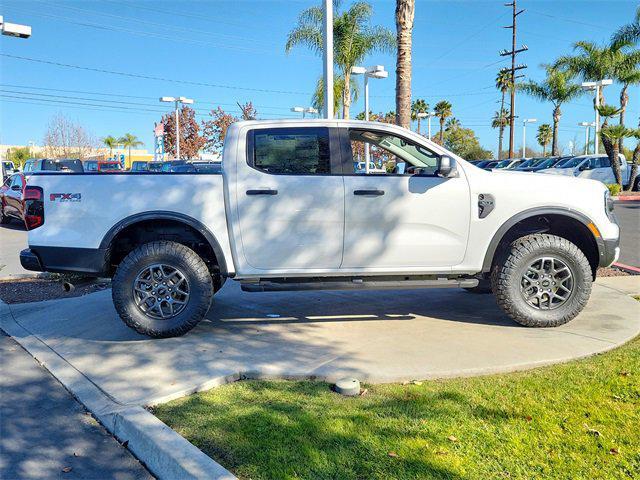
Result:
{"points": [[162, 289], [543, 281]]}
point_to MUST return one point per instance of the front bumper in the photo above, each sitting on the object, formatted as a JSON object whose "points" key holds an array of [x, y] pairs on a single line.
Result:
{"points": [[609, 251]]}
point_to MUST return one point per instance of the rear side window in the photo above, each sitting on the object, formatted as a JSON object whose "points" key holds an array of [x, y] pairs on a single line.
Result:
{"points": [[298, 151]]}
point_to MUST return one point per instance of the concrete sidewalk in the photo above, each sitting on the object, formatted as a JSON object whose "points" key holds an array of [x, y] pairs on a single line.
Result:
{"points": [[44, 430], [387, 336]]}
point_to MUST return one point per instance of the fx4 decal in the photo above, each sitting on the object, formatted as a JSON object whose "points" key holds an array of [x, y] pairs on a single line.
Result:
{"points": [[65, 197]]}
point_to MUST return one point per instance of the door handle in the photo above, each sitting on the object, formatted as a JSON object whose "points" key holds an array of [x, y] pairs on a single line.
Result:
{"points": [[265, 191], [369, 193]]}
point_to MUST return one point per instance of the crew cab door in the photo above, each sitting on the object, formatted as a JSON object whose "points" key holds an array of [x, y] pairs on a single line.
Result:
{"points": [[290, 199], [407, 219]]}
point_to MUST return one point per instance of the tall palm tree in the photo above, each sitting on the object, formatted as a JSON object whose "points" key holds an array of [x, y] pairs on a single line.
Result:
{"points": [[500, 120], [405, 13], [557, 89], [630, 32], [606, 112], [627, 73], [353, 40], [129, 141], [545, 134], [418, 106], [614, 134], [442, 111], [317, 101], [452, 124], [504, 81], [635, 159], [111, 142]]}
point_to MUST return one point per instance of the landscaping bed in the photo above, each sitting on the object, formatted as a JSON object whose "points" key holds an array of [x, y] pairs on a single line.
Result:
{"points": [[25, 290], [576, 420]]}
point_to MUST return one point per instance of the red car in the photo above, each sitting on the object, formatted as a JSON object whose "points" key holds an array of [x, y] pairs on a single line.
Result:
{"points": [[20, 201]]}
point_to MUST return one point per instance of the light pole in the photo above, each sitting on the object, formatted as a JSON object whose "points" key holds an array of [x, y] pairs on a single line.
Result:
{"points": [[304, 110], [327, 56], [428, 116], [586, 134], [14, 29], [524, 133], [176, 101], [597, 86], [377, 71]]}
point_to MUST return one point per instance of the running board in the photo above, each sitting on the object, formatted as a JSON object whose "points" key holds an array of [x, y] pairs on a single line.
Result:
{"points": [[357, 284]]}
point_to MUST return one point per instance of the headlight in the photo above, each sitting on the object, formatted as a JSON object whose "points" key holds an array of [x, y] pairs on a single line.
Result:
{"points": [[608, 204]]}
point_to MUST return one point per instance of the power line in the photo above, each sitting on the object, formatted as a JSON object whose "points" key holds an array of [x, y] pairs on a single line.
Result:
{"points": [[151, 77]]}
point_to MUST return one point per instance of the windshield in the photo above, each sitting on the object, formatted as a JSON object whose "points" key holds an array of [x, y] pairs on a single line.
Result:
{"points": [[503, 164], [525, 164], [571, 163], [546, 164]]}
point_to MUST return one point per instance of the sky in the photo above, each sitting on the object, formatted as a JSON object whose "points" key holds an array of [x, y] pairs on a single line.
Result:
{"points": [[131, 52]]}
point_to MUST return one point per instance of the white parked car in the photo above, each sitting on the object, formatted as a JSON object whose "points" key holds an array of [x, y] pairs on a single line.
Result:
{"points": [[287, 212], [595, 167]]}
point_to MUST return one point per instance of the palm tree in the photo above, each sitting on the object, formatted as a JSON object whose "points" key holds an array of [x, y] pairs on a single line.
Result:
{"points": [[557, 89], [353, 40], [111, 142], [500, 120], [614, 134], [405, 12], [504, 82], [630, 32], [452, 124], [627, 73], [442, 111], [545, 134], [635, 158], [317, 101], [129, 141], [607, 112], [418, 106]]}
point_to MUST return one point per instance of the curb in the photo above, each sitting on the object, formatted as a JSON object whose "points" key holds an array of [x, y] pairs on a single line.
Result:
{"points": [[627, 268], [166, 454], [627, 198]]}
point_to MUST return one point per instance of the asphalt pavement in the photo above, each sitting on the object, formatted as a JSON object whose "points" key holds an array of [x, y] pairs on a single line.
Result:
{"points": [[628, 214], [13, 238], [45, 433]]}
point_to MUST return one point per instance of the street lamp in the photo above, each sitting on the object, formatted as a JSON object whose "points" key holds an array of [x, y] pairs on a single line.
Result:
{"points": [[14, 29], [304, 110], [586, 134], [428, 116], [524, 133], [176, 101], [377, 71], [597, 86]]}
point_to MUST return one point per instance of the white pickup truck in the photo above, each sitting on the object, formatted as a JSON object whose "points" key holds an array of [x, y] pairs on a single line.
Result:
{"points": [[288, 212]]}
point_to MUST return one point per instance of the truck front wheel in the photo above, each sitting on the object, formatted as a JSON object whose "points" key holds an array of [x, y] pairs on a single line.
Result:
{"points": [[162, 289], [544, 281]]}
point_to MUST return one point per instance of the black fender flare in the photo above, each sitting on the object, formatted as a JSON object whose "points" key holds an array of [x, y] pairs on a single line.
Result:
{"points": [[534, 212], [166, 215]]}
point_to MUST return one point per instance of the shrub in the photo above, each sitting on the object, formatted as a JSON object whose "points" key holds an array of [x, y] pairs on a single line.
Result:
{"points": [[614, 189]]}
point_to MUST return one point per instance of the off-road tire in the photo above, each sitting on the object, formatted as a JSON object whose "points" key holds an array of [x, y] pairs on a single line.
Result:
{"points": [[484, 286], [175, 255], [507, 276]]}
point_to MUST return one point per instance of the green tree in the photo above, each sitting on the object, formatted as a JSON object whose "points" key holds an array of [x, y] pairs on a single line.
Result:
{"points": [[463, 142], [557, 89], [629, 32], [606, 112], [442, 111], [353, 39], [500, 120], [405, 13], [614, 134], [110, 142], [544, 136], [418, 106], [504, 82], [19, 155], [129, 141], [452, 124], [635, 159], [627, 73]]}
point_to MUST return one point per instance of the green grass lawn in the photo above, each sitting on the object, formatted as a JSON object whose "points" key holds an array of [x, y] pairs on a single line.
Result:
{"points": [[578, 420]]}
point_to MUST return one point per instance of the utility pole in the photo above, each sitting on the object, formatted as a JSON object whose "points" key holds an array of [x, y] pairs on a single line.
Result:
{"points": [[513, 69], [328, 59]]}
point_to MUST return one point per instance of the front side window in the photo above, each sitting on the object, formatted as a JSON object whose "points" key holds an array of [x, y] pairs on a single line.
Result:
{"points": [[17, 181], [390, 155], [283, 151]]}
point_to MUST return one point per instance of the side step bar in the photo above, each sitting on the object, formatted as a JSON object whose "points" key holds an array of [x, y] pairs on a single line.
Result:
{"points": [[357, 284]]}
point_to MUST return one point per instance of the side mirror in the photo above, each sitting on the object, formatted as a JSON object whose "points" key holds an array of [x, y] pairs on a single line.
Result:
{"points": [[445, 166]]}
